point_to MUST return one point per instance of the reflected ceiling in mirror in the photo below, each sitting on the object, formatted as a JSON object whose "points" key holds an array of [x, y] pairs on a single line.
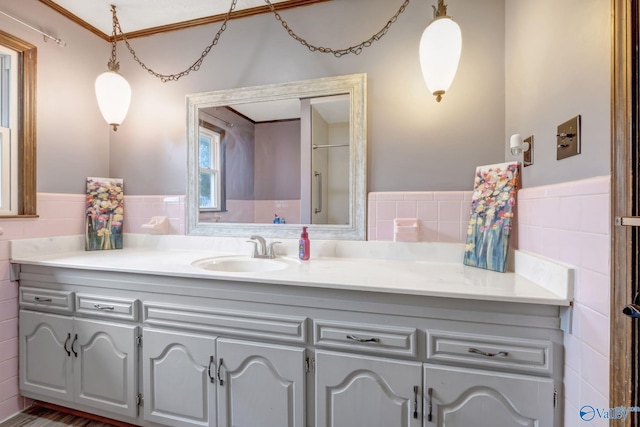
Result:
{"points": [[266, 159]]}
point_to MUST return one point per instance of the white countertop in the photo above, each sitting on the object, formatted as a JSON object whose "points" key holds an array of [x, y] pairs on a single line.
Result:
{"points": [[428, 269]]}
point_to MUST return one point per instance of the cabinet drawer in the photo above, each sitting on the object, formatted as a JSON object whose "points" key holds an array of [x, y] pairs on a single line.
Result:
{"points": [[228, 322], [510, 354], [365, 338], [110, 307], [46, 300]]}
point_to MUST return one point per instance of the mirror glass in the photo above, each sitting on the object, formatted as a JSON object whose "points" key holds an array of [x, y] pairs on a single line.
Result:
{"points": [[267, 159]]}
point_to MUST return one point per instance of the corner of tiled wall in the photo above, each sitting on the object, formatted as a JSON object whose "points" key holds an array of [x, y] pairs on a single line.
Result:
{"points": [[570, 223]]}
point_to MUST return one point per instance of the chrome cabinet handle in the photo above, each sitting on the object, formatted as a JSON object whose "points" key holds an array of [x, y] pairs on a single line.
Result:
{"points": [[75, 353], [358, 339], [211, 362], [220, 380], [43, 299], [415, 402], [484, 353], [104, 307], [67, 342]]}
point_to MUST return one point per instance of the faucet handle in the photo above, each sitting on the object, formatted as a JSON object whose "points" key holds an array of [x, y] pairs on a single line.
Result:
{"points": [[270, 251]]}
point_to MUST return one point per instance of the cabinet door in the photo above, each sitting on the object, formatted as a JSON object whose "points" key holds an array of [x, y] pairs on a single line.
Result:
{"points": [[364, 391], [260, 385], [179, 378], [469, 397], [105, 357], [45, 365]]}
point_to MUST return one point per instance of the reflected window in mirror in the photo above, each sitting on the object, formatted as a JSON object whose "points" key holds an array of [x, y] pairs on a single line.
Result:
{"points": [[18, 122], [211, 168]]}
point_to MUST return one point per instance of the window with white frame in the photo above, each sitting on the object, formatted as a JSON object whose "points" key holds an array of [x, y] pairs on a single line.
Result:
{"points": [[210, 166], [8, 131]]}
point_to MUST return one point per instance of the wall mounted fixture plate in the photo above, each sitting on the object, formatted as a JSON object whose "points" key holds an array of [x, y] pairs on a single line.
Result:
{"points": [[568, 138], [527, 157]]}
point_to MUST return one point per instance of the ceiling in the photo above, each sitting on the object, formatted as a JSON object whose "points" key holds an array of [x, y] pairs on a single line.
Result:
{"points": [[145, 17], [333, 109]]}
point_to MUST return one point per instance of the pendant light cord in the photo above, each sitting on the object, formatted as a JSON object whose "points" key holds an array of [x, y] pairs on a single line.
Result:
{"points": [[113, 64], [356, 49]]}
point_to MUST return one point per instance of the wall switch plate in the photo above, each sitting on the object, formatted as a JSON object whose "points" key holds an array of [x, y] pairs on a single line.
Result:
{"points": [[568, 138], [527, 157]]}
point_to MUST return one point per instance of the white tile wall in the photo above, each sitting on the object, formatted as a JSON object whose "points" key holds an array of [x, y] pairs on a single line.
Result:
{"points": [[570, 222]]}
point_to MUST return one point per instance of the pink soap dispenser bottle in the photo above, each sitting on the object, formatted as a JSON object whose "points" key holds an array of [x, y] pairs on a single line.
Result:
{"points": [[304, 246]]}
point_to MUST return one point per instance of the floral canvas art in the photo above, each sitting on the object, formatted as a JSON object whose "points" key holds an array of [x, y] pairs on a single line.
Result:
{"points": [[104, 214], [494, 198]]}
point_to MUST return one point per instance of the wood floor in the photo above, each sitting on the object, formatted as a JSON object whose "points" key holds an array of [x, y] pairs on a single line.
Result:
{"points": [[39, 416]]}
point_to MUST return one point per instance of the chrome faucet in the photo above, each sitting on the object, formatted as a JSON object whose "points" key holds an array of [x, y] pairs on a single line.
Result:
{"points": [[260, 248]]}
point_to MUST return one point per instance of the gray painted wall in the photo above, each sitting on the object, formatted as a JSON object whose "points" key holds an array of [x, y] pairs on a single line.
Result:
{"points": [[414, 142], [549, 82], [73, 142], [277, 161]]}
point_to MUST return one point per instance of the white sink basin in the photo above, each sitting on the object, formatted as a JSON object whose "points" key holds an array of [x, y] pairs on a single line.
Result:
{"points": [[244, 264]]}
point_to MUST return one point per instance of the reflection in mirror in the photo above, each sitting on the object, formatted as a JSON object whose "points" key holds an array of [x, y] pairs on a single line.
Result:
{"points": [[266, 159]]}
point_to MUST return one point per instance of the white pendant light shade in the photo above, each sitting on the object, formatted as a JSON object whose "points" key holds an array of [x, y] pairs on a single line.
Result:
{"points": [[440, 48], [114, 96]]}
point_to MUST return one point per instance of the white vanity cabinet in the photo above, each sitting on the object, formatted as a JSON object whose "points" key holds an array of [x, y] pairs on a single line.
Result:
{"points": [[200, 380], [363, 391], [91, 362], [221, 353], [493, 380], [178, 370], [188, 350], [45, 357], [260, 384], [457, 396]]}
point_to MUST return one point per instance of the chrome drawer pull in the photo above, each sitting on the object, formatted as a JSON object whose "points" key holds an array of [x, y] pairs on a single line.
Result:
{"points": [[484, 353], [43, 299], [104, 307], [358, 339]]}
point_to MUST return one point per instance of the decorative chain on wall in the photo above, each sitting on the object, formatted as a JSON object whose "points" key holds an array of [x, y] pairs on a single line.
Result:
{"points": [[356, 49]]}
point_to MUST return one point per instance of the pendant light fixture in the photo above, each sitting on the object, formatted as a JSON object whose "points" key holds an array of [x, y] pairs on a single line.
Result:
{"points": [[440, 48], [112, 90]]}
